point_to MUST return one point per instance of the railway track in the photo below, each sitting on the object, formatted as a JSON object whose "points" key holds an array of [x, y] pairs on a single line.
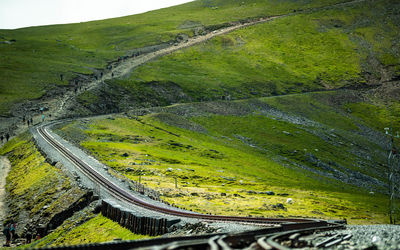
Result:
{"points": [[266, 238]]}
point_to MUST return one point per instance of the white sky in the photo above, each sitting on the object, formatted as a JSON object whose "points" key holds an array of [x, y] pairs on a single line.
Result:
{"points": [[24, 13]]}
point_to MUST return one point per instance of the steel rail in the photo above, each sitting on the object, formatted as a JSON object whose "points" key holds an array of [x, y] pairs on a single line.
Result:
{"points": [[271, 242], [122, 194]]}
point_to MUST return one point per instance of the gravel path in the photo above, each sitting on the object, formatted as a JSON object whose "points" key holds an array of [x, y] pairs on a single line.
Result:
{"points": [[4, 169], [103, 193], [380, 237], [372, 237]]}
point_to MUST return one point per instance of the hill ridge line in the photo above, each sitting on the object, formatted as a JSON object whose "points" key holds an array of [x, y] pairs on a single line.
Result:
{"points": [[60, 105], [126, 66]]}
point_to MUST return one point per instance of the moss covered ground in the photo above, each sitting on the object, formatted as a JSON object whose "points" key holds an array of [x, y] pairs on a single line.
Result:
{"points": [[227, 155], [32, 59], [86, 229], [37, 192]]}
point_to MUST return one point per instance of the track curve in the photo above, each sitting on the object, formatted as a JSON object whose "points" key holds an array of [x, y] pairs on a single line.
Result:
{"points": [[122, 194]]}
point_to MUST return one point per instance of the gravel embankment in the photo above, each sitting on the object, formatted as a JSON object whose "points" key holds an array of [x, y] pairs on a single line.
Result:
{"points": [[380, 237], [372, 237]]}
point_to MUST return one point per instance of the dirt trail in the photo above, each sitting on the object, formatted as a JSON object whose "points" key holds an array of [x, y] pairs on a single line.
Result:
{"points": [[59, 106], [129, 64], [126, 66], [4, 169]]}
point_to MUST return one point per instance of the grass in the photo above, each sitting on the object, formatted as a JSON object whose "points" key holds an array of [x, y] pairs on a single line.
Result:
{"points": [[377, 116], [39, 191], [91, 229], [226, 169], [322, 50], [32, 183], [32, 64]]}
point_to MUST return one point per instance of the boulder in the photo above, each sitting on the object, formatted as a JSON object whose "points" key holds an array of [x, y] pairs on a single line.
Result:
{"points": [[280, 205]]}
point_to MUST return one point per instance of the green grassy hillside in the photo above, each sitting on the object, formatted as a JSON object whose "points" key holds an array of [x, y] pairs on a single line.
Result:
{"points": [[351, 45], [32, 59], [39, 193], [84, 230], [226, 155]]}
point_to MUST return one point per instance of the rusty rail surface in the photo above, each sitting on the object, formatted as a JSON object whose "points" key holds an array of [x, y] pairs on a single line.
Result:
{"points": [[124, 195], [265, 238]]}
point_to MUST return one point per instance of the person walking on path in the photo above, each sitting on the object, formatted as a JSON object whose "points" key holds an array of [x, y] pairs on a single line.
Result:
{"points": [[12, 231], [6, 232], [28, 235]]}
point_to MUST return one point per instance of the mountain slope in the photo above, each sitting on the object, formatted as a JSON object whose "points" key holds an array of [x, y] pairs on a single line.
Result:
{"points": [[345, 46], [33, 59], [226, 155]]}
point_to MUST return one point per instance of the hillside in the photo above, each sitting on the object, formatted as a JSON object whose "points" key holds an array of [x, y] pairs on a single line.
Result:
{"points": [[352, 46], [32, 59], [289, 107], [308, 147]]}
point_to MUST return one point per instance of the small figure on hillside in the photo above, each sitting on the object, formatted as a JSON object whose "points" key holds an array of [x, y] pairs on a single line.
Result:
{"points": [[6, 232], [27, 122], [95, 77], [61, 77], [101, 74], [31, 121], [28, 235], [43, 117], [23, 119], [12, 230], [112, 74], [38, 237], [7, 136], [2, 138]]}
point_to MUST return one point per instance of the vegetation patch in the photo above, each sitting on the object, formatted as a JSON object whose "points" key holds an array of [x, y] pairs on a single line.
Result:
{"points": [[37, 56], [251, 156], [85, 228], [326, 49]]}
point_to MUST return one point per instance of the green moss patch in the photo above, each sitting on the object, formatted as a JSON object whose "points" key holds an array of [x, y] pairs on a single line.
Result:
{"points": [[226, 156], [85, 229]]}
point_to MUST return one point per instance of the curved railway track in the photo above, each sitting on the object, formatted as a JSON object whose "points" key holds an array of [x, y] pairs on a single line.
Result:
{"points": [[262, 237]]}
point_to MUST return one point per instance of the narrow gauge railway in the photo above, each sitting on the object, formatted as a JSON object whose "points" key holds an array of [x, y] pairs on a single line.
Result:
{"points": [[282, 237], [265, 238]]}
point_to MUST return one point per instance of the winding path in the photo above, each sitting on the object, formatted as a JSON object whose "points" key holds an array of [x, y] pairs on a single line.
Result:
{"points": [[126, 66]]}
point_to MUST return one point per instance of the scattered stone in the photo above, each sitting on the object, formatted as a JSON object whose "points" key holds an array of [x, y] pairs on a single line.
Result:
{"points": [[280, 205], [223, 194], [228, 178], [125, 155], [270, 193], [286, 133], [283, 194], [289, 201], [170, 169]]}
